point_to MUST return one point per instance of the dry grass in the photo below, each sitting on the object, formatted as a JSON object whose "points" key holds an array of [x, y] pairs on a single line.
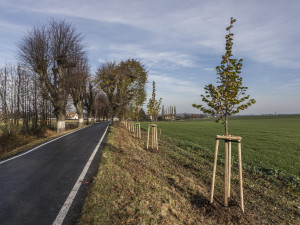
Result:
{"points": [[172, 186]]}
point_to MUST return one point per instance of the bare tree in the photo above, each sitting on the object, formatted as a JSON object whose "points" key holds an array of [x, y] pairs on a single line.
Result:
{"points": [[89, 102], [51, 51], [79, 75], [102, 107]]}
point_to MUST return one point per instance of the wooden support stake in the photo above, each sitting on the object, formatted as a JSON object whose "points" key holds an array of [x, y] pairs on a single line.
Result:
{"points": [[152, 137], [156, 138], [240, 175], [226, 174], [229, 167], [134, 131], [148, 136], [140, 136], [214, 172], [137, 133], [133, 128]]}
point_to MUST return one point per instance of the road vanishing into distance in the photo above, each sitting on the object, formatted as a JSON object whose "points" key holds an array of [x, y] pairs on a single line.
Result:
{"points": [[38, 187]]}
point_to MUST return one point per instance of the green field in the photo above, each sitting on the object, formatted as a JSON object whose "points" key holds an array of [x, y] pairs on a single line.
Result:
{"points": [[269, 142]]}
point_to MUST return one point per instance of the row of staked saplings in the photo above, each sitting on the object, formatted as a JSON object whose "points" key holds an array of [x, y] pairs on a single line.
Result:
{"points": [[135, 128]]}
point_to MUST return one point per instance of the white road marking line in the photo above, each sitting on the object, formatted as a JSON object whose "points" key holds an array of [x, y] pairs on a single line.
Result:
{"points": [[17, 156], [64, 210]]}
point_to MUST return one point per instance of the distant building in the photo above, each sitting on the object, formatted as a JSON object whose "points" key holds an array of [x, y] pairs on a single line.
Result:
{"points": [[71, 116]]}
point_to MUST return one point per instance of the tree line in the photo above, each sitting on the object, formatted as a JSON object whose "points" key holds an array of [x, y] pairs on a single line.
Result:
{"points": [[53, 69]]}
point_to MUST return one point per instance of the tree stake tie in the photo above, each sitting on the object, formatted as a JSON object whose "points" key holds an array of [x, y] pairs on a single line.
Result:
{"points": [[227, 167]]}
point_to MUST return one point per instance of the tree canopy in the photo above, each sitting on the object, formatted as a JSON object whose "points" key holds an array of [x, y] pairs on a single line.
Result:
{"points": [[51, 51], [227, 98], [124, 84]]}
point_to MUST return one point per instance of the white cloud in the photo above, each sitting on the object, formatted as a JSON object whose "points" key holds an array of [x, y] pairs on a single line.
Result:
{"points": [[209, 69], [196, 26], [152, 58], [181, 40]]}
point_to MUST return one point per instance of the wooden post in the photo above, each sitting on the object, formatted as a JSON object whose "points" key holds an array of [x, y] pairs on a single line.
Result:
{"points": [[148, 136], [152, 137], [240, 175], [214, 172], [137, 133], [134, 130], [226, 174], [160, 131], [133, 127], [229, 167], [156, 138], [140, 134]]}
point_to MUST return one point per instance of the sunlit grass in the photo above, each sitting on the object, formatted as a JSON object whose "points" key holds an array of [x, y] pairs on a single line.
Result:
{"points": [[268, 142]]}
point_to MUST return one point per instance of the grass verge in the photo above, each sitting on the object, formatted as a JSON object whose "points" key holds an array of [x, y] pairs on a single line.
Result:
{"points": [[172, 186]]}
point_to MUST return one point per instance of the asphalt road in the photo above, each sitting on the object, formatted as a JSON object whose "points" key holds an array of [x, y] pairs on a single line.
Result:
{"points": [[35, 186]]}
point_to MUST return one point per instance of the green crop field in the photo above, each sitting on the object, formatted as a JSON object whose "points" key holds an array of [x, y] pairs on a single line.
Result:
{"points": [[269, 142]]}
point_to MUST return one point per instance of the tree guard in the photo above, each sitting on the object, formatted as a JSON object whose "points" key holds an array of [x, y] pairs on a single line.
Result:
{"points": [[137, 132], [153, 128], [227, 167]]}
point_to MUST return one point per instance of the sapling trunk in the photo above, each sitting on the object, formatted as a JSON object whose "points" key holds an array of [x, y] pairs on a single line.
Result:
{"points": [[226, 127]]}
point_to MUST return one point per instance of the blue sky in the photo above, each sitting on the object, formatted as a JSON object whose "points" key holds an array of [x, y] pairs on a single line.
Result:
{"points": [[179, 42]]}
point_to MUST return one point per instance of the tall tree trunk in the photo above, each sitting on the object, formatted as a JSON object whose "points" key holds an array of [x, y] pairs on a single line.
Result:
{"points": [[60, 123], [89, 117], [79, 110]]}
